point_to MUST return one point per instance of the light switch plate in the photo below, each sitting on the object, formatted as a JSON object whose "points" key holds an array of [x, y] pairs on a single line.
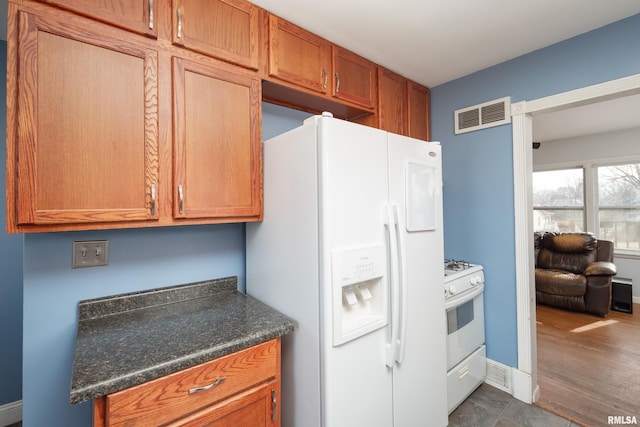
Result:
{"points": [[90, 253]]}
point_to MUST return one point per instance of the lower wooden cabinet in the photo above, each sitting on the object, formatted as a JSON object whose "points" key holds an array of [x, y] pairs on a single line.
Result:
{"points": [[241, 389]]}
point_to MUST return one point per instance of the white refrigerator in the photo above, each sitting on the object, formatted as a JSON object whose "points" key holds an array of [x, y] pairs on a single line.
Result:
{"points": [[351, 248]]}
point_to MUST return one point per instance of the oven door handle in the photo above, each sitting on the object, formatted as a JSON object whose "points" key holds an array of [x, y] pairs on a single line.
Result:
{"points": [[458, 300]]}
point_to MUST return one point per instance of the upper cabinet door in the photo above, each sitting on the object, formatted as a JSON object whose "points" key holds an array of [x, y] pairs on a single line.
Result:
{"points": [[225, 29], [392, 101], [139, 16], [418, 111], [217, 143], [298, 56], [86, 146], [354, 78]]}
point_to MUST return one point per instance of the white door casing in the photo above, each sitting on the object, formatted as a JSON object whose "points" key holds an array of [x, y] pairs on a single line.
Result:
{"points": [[525, 381]]}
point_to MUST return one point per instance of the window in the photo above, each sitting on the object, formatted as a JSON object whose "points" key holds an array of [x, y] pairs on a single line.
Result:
{"points": [[558, 200], [603, 199], [619, 204]]}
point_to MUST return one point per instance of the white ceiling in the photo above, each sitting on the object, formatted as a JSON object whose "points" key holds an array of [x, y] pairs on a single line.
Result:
{"points": [[435, 41], [601, 117]]}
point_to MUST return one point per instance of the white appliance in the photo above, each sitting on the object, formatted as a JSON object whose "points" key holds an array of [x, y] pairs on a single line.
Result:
{"points": [[466, 352], [351, 248]]}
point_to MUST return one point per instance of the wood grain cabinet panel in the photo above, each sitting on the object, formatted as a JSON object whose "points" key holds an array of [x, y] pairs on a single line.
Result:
{"points": [[86, 145], [217, 146], [139, 16], [255, 408], [418, 111], [392, 101], [240, 389], [225, 29], [354, 78], [298, 56]]}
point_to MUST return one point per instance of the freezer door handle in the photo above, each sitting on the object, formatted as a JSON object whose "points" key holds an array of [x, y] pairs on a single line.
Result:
{"points": [[402, 283], [392, 347]]}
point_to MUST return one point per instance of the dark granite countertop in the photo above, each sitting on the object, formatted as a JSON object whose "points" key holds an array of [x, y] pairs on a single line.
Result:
{"points": [[125, 340]]}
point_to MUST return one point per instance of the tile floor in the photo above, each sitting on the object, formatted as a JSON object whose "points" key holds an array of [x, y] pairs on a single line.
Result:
{"points": [[491, 407]]}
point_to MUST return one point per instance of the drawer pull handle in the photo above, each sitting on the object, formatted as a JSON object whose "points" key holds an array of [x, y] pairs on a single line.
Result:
{"points": [[153, 199], [179, 31], [463, 372], [151, 17], [274, 411], [207, 387], [180, 200]]}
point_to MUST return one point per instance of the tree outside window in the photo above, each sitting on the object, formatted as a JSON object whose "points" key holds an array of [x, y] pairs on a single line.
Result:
{"points": [[558, 200], [619, 204]]}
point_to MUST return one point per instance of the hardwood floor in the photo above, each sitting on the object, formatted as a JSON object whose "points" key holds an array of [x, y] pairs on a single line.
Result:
{"points": [[589, 366]]}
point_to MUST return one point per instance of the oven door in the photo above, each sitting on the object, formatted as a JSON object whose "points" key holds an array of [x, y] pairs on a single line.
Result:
{"points": [[465, 324]]}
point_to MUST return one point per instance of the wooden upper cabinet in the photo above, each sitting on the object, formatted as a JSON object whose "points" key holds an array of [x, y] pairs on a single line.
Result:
{"points": [[85, 149], [298, 56], [418, 111], [225, 29], [392, 101], [217, 142], [354, 78], [139, 16]]}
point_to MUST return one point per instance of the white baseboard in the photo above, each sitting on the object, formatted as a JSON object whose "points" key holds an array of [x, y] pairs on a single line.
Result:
{"points": [[635, 300], [11, 413]]}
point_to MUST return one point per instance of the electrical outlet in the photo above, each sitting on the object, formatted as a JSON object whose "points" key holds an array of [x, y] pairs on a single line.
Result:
{"points": [[90, 253]]}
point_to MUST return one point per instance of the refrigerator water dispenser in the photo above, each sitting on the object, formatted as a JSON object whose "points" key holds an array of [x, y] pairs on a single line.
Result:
{"points": [[359, 292]]}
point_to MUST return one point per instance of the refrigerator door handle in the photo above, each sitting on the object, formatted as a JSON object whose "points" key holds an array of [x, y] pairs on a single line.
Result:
{"points": [[402, 284], [391, 346]]}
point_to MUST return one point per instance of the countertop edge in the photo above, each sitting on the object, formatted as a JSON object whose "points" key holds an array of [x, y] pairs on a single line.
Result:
{"points": [[136, 378], [268, 325]]}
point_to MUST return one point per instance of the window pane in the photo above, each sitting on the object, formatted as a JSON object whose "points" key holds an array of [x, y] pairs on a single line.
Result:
{"points": [[558, 200], [565, 220], [619, 204]]}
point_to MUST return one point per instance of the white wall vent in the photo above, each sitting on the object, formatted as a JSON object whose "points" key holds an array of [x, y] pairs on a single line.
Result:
{"points": [[498, 375], [482, 116]]}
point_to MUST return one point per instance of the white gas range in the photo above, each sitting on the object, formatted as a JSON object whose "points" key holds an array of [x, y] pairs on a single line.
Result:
{"points": [[466, 353]]}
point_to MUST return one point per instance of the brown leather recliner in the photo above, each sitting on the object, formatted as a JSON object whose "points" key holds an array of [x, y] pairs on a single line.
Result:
{"points": [[574, 271]]}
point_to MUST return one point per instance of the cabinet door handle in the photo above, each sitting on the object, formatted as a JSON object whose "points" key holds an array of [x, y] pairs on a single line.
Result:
{"points": [[151, 17], [180, 200], [274, 408], [337, 83], [207, 387], [179, 31], [153, 199], [325, 76]]}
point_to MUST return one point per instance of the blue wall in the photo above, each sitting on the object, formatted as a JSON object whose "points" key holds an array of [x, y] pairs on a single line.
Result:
{"points": [[478, 169], [139, 259], [10, 278]]}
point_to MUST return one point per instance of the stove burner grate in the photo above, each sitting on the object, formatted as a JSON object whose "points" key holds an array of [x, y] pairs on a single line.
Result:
{"points": [[456, 265]]}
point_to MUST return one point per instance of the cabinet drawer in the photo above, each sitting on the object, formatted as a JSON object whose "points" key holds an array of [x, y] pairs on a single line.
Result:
{"points": [[257, 407], [168, 398]]}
